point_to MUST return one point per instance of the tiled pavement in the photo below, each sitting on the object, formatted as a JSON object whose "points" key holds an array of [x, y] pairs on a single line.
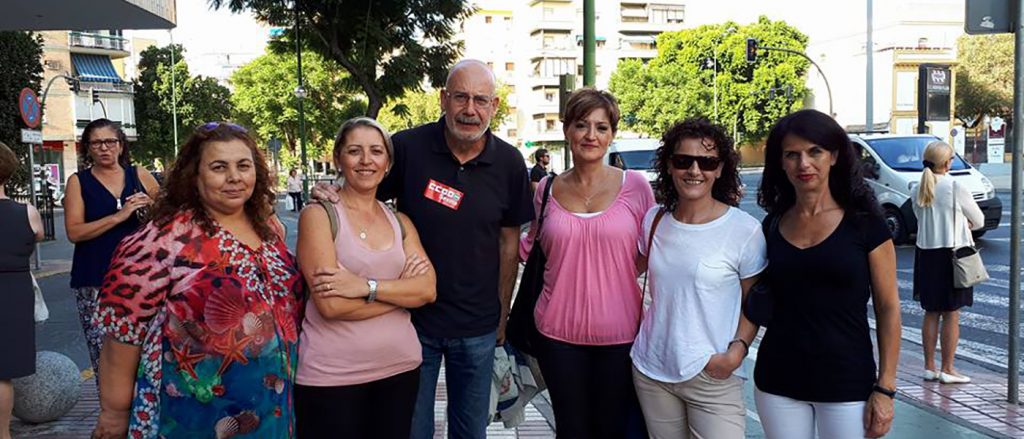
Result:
{"points": [[78, 423]]}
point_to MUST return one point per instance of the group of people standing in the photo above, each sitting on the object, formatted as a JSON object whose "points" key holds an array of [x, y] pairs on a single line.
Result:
{"points": [[202, 323]]}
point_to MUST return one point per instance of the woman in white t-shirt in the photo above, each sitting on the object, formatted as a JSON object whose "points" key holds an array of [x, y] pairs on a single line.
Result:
{"points": [[705, 254], [946, 213], [294, 187]]}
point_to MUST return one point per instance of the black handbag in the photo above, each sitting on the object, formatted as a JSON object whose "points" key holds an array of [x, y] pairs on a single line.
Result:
{"points": [[759, 305], [521, 329]]}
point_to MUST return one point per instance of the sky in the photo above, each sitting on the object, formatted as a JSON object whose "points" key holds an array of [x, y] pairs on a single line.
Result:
{"points": [[212, 38]]}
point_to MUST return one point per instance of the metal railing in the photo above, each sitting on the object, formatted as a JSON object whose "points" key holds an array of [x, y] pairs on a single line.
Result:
{"points": [[98, 41]]}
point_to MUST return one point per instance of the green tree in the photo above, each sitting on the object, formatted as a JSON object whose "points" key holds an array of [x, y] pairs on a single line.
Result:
{"points": [[264, 98], [20, 66], [387, 46], [984, 77], [680, 81], [199, 99], [416, 108]]}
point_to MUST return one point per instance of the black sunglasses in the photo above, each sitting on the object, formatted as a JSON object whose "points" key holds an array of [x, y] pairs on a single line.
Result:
{"points": [[685, 161]]}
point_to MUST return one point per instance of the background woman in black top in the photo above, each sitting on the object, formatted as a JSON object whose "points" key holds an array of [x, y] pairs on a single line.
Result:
{"points": [[829, 251]]}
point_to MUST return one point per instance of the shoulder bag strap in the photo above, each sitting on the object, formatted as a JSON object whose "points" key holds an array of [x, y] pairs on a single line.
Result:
{"points": [[332, 216], [956, 230], [650, 246], [398, 219], [543, 207]]}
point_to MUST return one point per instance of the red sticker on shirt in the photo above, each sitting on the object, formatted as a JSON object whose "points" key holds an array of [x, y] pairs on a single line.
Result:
{"points": [[444, 194]]}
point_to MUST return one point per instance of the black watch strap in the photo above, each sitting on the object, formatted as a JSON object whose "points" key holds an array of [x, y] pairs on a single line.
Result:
{"points": [[884, 391]]}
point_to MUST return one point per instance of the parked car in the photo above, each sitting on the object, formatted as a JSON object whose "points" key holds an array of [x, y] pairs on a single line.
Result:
{"points": [[634, 154], [892, 165]]}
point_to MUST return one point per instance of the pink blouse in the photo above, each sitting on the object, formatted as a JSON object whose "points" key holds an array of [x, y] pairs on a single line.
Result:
{"points": [[591, 295]]}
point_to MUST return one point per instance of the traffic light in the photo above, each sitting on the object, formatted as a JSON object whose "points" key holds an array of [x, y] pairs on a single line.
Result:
{"points": [[751, 50], [95, 95]]}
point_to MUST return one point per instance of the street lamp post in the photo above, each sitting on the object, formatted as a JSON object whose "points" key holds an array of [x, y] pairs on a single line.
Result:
{"points": [[300, 94]]}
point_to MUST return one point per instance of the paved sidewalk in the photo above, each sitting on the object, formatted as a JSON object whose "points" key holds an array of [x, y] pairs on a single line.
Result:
{"points": [[79, 422]]}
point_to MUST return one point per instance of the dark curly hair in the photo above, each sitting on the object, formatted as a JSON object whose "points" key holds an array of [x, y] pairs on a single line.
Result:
{"points": [[845, 182], [726, 188], [181, 191], [83, 145]]}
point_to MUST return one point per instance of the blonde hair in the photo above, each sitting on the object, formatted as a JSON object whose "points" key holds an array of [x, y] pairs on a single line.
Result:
{"points": [[362, 121], [936, 155]]}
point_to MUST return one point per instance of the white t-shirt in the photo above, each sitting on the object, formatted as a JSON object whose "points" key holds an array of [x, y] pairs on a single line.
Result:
{"points": [[695, 272], [294, 183]]}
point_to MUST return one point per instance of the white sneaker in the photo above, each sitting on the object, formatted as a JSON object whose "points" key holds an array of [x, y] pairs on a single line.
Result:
{"points": [[930, 375], [946, 378]]}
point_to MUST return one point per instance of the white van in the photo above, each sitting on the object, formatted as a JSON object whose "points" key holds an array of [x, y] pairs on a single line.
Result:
{"points": [[892, 166], [634, 154]]}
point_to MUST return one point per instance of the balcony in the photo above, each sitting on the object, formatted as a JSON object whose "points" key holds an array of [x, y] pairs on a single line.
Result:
{"points": [[651, 18], [99, 44]]}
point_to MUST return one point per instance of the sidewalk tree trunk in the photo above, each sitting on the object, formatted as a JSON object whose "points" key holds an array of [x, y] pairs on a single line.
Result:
{"points": [[20, 66], [387, 46]]}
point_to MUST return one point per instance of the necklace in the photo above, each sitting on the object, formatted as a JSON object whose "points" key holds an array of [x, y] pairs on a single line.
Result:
{"points": [[587, 199], [363, 231]]}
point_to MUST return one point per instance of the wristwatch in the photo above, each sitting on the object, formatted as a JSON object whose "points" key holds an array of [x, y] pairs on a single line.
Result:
{"points": [[372, 283]]}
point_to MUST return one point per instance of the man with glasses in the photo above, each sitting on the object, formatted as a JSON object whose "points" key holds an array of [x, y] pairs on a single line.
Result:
{"points": [[465, 190], [542, 160]]}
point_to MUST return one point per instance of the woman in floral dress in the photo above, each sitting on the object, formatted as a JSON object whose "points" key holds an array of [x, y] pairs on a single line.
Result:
{"points": [[200, 307]]}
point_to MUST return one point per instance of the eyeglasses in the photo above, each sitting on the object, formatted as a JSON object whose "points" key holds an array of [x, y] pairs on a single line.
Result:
{"points": [[685, 161], [210, 126], [104, 143], [461, 98]]}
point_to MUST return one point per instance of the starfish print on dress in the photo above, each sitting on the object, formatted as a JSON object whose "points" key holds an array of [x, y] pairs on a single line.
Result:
{"points": [[186, 360], [234, 350]]}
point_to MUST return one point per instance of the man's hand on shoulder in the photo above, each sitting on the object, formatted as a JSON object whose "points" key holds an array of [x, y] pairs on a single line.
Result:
{"points": [[325, 191]]}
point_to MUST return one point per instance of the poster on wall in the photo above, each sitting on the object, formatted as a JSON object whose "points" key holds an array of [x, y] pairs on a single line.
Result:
{"points": [[996, 140], [53, 174]]}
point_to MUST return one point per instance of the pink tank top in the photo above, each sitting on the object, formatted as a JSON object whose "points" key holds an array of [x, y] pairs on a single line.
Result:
{"points": [[343, 353]]}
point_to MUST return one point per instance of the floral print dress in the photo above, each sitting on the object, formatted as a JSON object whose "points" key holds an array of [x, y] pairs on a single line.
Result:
{"points": [[217, 323]]}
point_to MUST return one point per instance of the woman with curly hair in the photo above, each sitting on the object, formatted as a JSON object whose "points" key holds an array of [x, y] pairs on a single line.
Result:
{"points": [[830, 252], [589, 308], [200, 307], [705, 255]]}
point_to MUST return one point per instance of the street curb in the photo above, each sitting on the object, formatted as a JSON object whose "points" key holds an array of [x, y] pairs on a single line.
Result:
{"points": [[47, 273], [950, 417]]}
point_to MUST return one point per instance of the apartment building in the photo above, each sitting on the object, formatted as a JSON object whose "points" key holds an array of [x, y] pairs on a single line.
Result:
{"points": [[83, 79], [530, 43]]}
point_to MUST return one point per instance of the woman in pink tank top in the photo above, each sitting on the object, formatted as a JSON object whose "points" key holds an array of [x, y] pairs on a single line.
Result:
{"points": [[359, 356]]}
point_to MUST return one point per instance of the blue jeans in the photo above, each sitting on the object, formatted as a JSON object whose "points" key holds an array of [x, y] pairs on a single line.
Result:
{"points": [[469, 363]]}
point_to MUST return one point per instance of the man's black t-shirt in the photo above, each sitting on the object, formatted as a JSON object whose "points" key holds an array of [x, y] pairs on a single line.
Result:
{"points": [[818, 344], [537, 172], [458, 210]]}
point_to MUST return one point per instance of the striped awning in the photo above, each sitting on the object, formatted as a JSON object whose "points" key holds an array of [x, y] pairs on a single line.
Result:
{"points": [[94, 68]]}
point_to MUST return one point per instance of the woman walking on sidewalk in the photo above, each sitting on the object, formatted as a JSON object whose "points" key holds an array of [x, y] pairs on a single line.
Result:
{"points": [[22, 226], [294, 187], [829, 251], [946, 213], [705, 255], [103, 203]]}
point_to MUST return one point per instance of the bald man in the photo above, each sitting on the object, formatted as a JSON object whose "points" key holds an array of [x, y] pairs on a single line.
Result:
{"points": [[465, 191]]}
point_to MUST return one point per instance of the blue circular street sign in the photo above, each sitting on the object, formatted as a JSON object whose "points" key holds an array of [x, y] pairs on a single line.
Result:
{"points": [[28, 104]]}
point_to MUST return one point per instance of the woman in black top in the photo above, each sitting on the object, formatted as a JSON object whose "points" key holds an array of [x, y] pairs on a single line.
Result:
{"points": [[829, 251]]}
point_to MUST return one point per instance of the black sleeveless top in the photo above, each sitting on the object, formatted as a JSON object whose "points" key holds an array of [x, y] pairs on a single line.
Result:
{"points": [[92, 257]]}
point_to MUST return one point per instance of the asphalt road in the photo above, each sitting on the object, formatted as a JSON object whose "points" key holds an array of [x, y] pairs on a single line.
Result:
{"points": [[984, 326]]}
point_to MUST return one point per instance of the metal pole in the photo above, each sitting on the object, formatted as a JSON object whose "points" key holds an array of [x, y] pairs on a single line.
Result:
{"points": [[589, 43], [869, 51], [1013, 358], [32, 192], [716, 84], [301, 97], [174, 95]]}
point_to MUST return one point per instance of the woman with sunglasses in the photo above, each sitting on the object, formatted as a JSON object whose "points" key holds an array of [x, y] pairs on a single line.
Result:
{"points": [[103, 203], [201, 306], [693, 337], [830, 252], [589, 308]]}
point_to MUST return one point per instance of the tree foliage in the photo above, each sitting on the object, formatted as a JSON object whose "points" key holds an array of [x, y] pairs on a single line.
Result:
{"points": [[386, 46], [265, 99], [984, 76], [199, 99], [680, 81], [419, 107], [20, 66]]}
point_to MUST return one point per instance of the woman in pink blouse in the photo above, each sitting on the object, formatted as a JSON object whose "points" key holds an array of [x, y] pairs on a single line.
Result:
{"points": [[589, 310]]}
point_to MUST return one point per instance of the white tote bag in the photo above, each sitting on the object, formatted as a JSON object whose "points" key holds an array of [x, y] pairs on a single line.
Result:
{"points": [[42, 313]]}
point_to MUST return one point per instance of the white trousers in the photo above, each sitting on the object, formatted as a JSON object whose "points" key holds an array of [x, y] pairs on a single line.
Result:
{"points": [[787, 418]]}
